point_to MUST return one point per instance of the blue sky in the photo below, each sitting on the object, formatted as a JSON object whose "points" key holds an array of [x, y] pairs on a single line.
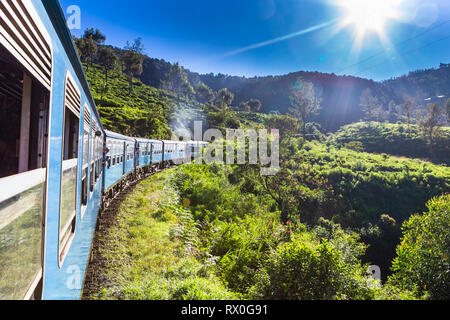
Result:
{"points": [[273, 37]]}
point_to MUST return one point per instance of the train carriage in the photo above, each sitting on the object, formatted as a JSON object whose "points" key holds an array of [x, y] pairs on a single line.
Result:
{"points": [[144, 153], [59, 166], [46, 105], [181, 149], [169, 149], [157, 152], [115, 156]]}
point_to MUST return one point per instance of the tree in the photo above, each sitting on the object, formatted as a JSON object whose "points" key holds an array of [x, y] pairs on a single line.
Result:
{"points": [[301, 270], [391, 113], [371, 106], [96, 35], [407, 110], [87, 48], [204, 93], [287, 125], [132, 62], [423, 256], [176, 80], [136, 46], [243, 106], [224, 98], [87, 45], [107, 58], [429, 125], [255, 105], [304, 102], [447, 111]]}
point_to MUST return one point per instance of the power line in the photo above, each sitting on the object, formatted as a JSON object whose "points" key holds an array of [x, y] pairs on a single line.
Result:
{"points": [[410, 51], [395, 45]]}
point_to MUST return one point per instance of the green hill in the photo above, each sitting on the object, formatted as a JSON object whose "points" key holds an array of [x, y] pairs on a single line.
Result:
{"points": [[146, 112], [393, 139]]}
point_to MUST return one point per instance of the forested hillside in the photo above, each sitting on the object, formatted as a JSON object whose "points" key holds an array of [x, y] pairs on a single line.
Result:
{"points": [[395, 139], [371, 193], [424, 84], [143, 112], [340, 96]]}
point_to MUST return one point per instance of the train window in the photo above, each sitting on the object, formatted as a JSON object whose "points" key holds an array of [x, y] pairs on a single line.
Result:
{"points": [[108, 164], [100, 156], [97, 152], [24, 109], [69, 175], [24, 104], [114, 154], [85, 168], [92, 159]]}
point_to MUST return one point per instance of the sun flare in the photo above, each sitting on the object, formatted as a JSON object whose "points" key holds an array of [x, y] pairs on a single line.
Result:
{"points": [[368, 15]]}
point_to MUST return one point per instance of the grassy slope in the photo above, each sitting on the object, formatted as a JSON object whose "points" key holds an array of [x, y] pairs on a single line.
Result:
{"points": [[370, 185], [393, 139], [148, 251], [144, 112]]}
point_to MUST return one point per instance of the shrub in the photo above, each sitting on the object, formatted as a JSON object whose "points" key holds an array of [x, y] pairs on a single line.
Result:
{"points": [[423, 256], [302, 270]]}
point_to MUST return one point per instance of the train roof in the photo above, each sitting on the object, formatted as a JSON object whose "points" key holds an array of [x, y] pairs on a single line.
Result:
{"points": [[114, 135], [58, 19], [173, 141], [147, 140]]}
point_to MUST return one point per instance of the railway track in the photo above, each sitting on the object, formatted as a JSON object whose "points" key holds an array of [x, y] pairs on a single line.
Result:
{"points": [[107, 219]]}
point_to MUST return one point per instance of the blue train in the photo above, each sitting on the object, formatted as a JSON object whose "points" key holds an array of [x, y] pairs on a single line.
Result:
{"points": [[59, 167]]}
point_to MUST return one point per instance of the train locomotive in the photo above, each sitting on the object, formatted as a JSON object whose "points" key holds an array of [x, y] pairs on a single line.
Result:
{"points": [[59, 166]]}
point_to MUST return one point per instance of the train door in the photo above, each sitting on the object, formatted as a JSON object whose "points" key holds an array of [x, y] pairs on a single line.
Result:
{"points": [[25, 86], [137, 154], [124, 155], [85, 163], [69, 171]]}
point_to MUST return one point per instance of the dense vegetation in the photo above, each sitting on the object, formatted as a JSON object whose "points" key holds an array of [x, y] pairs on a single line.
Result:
{"points": [[340, 201], [146, 252], [144, 112], [423, 256], [424, 84], [395, 139]]}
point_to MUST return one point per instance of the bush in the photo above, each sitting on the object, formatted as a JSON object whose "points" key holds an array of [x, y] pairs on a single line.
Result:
{"points": [[302, 270], [395, 139], [422, 261]]}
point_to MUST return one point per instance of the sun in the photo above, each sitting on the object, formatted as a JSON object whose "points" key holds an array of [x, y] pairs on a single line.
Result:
{"points": [[368, 15]]}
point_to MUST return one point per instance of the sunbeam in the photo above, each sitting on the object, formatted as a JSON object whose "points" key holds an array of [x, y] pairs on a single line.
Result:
{"points": [[279, 39]]}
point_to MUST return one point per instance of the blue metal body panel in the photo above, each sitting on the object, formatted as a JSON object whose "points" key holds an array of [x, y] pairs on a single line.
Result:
{"points": [[144, 154], [129, 159], [157, 156], [114, 171], [113, 175], [63, 281]]}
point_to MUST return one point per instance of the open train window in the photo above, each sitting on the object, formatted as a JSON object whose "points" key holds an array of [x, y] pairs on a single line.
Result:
{"points": [[85, 168], [99, 155], [108, 162], [93, 145], [24, 109], [24, 104], [69, 174]]}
